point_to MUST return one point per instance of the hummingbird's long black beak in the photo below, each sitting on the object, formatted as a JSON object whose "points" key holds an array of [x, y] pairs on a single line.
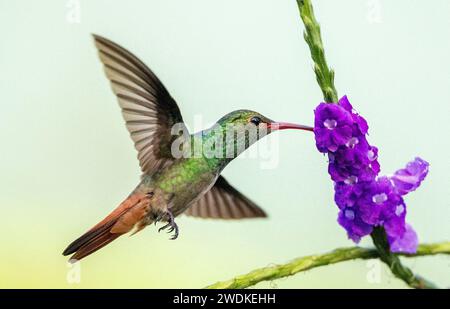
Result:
{"points": [[274, 126]]}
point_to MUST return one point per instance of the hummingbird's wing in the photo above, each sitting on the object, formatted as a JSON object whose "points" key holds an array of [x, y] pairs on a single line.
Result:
{"points": [[223, 201], [147, 107]]}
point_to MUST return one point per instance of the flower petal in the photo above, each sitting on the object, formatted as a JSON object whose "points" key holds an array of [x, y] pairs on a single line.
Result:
{"points": [[407, 243], [345, 103], [409, 178], [356, 228]]}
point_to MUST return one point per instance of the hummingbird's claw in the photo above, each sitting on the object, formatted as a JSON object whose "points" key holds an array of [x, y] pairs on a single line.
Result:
{"points": [[173, 227]]}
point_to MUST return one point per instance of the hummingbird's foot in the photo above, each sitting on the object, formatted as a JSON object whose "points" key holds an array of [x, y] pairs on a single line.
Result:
{"points": [[173, 227]]}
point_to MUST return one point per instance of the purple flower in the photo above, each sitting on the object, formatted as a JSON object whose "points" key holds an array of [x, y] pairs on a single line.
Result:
{"points": [[356, 228], [395, 225], [378, 202], [353, 162], [409, 178], [364, 199], [332, 127], [347, 195], [372, 154], [359, 121], [407, 243]]}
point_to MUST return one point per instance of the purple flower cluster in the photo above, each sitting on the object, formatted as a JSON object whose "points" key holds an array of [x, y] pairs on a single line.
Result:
{"points": [[365, 199]]}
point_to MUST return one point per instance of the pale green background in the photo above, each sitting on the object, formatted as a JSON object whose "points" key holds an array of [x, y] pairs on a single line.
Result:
{"points": [[66, 158]]}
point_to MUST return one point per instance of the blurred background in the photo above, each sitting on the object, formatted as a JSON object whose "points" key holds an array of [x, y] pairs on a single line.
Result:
{"points": [[66, 159]]}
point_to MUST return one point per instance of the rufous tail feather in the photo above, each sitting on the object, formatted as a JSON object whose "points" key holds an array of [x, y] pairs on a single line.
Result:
{"points": [[119, 222]]}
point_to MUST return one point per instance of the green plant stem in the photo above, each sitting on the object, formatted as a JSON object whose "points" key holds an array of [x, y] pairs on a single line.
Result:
{"points": [[324, 74], [325, 78], [393, 261], [312, 261]]}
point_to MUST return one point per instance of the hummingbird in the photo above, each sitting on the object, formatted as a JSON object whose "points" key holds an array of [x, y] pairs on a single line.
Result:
{"points": [[170, 184]]}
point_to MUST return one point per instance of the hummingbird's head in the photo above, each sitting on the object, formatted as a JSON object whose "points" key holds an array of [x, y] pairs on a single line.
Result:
{"points": [[247, 119], [241, 128], [243, 118]]}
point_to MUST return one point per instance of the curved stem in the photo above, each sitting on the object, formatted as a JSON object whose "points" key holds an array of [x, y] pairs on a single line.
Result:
{"points": [[313, 261]]}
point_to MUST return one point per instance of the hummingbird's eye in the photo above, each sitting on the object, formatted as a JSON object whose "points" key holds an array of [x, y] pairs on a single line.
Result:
{"points": [[255, 120]]}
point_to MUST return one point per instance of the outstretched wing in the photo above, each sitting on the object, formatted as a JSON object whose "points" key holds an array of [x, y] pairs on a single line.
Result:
{"points": [[147, 107], [223, 201]]}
